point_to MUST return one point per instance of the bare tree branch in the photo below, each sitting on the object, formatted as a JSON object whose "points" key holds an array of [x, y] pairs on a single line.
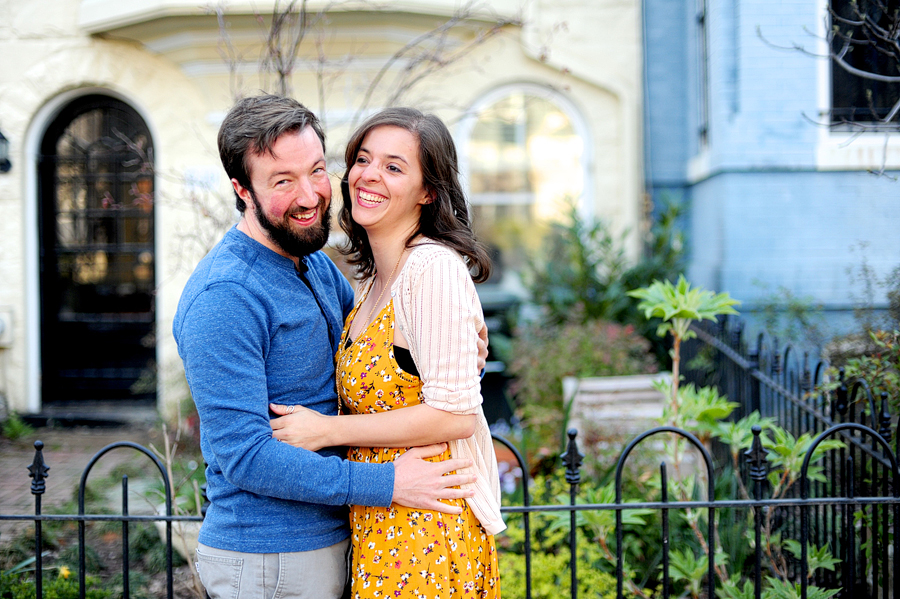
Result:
{"points": [[421, 63]]}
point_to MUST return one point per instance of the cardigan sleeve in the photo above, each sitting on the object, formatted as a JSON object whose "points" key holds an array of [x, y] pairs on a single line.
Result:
{"points": [[443, 313]]}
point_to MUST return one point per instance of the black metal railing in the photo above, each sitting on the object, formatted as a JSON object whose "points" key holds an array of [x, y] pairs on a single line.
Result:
{"points": [[791, 388], [852, 506], [852, 575], [39, 472]]}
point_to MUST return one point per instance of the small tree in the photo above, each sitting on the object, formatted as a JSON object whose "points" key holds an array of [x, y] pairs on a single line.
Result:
{"points": [[678, 306]]}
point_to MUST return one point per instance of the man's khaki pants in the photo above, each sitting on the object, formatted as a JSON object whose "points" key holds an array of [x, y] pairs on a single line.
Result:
{"points": [[318, 574]]}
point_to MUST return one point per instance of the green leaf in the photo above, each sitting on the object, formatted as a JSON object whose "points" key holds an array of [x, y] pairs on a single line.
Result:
{"points": [[778, 589], [680, 305]]}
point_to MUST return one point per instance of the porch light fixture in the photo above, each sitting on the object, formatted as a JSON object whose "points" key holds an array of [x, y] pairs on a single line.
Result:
{"points": [[5, 164]]}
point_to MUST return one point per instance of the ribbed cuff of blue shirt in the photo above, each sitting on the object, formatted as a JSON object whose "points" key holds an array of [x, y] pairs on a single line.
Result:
{"points": [[371, 484]]}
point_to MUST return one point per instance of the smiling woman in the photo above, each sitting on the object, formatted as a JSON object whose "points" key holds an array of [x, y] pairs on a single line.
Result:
{"points": [[385, 181], [408, 356]]}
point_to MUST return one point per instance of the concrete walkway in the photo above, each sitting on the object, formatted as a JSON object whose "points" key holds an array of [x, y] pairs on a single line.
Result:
{"points": [[67, 451]]}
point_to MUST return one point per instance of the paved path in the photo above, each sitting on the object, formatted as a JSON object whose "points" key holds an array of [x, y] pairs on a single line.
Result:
{"points": [[67, 451]]}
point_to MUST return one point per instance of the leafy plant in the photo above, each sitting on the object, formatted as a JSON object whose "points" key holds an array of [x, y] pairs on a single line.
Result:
{"points": [[691, 569], [582, 269], [780, 589], [703, 411], [550, 545], [700, 409], [551, 577], [64, 585], [600, 523], [15, 428], [816, 557], [678, 306], [544, 354]]}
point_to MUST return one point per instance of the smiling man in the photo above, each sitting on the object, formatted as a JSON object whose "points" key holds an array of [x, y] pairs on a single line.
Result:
{"points": [[258, 323]]}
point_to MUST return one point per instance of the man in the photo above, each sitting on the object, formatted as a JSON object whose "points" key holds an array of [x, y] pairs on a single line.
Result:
{"points": [[258, 322]]}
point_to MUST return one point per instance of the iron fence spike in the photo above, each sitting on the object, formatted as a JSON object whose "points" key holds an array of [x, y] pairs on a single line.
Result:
{"points": [[38, 470]]}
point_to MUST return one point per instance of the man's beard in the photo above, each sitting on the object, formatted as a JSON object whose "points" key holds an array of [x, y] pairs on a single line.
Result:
{"points": [[296, 242]]}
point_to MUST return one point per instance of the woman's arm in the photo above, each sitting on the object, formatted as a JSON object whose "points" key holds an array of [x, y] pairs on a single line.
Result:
{"points": [[407, 427], [440, 315]]}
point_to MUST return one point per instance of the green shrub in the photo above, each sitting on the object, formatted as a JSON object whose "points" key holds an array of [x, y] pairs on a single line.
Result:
{"points": [[61, 585], [595, 542], [15, 428], [582, 268], [551, 577], [543, 355]]}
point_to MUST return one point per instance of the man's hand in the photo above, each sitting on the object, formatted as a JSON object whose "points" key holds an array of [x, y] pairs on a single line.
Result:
{"points": [[421, 484], [482, 344]]}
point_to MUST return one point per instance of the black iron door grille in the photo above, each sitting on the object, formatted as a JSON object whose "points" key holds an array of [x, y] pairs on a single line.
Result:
{"points": [[97, 254]]}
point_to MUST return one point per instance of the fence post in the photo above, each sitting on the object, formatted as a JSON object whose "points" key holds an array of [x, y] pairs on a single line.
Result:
{"points": [[754, 382], [38, 472], [884, 428], [573, 460], [840, 402], [205, 505], [758, 464]]}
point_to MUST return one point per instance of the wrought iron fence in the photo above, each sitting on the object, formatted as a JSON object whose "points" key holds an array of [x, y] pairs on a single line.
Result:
{"points": [[853, 508], [38, 471], [783, 384], [852, 575]]}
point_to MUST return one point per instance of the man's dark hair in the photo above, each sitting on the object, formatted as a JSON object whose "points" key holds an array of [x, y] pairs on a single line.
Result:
{"points": [[252, 126]]}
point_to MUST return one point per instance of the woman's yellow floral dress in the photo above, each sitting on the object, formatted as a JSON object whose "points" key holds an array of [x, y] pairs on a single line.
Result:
{"points": [[397, 551]]}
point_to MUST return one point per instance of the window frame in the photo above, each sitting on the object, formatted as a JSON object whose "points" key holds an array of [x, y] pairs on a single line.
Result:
{"points": [[839, 149]]}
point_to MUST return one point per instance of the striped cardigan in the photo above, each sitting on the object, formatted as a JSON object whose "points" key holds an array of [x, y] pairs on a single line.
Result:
{"points": [[438, 311]]}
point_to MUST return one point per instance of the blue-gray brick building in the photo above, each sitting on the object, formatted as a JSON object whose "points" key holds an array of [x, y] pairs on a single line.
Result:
{"points": [[743, 127]]}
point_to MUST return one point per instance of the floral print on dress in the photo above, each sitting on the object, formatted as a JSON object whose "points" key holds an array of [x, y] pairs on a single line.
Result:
{"points": [[399, 551]]}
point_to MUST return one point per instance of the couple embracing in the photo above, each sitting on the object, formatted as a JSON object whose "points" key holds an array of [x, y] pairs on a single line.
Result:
{"points": [[376, 399]]}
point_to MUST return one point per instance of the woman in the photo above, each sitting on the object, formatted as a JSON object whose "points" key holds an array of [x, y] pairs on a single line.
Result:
{"points": [[410, 343]]}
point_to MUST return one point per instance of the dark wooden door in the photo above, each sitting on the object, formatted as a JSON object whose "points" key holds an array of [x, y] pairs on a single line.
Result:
{"points": [[97, 254]]}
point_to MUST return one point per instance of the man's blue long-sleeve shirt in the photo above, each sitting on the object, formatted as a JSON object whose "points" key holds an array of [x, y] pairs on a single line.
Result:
{"points": [[250, 332]]}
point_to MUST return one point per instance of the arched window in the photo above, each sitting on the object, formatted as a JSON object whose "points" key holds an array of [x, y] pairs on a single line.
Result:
{"points": [[524, 158], [97, 254]]}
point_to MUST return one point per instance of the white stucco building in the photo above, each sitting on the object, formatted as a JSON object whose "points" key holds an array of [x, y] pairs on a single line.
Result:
{"points": [[115, 190]]}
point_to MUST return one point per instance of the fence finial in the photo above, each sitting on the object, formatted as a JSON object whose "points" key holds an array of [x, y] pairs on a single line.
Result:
{"points": [[841, 394], [757, 457], [38, 470], [806, 378], [573, 459], [885, 425]]}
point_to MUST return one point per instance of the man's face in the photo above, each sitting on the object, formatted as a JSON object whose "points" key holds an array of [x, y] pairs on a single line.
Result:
{"points": [[291, 196]]}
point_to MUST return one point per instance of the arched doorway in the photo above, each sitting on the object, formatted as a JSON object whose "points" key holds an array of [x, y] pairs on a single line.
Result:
{"points": [[97, 280]]}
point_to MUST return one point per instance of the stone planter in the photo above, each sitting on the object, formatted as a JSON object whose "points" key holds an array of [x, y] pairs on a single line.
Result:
{"points": [[614, 404]]}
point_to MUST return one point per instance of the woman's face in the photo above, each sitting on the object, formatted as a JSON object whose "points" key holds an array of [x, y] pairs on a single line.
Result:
{"points": [[386, 189]]}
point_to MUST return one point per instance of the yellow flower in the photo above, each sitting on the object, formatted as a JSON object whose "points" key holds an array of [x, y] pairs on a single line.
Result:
{"points": [[64, 572]]}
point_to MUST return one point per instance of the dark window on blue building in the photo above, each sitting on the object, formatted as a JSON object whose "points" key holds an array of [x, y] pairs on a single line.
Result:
{"points": [[861, 33]]}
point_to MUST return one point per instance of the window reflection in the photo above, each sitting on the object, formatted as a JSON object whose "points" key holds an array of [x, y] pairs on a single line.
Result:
{"points": [[525, 162]]}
